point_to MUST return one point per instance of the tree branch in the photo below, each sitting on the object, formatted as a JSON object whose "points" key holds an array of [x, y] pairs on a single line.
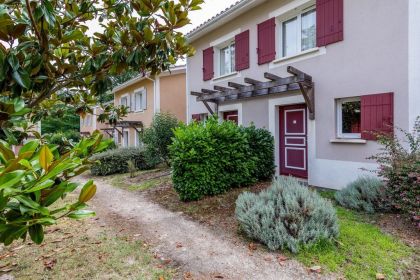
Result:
{"points": [[31, 17]]}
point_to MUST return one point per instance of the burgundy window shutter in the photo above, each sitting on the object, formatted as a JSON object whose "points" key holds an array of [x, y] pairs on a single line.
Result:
{"points": [[377, 115], [266, 41], [242, 51], [208, 67], [329, 22]]}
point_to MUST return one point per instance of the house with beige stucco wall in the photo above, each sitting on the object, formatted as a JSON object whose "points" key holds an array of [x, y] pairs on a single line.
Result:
{"points": [[144, 96], [321, 75]]}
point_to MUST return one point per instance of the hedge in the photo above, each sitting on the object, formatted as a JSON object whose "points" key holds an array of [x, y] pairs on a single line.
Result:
{"points": [[209, 158], [116, 161]]}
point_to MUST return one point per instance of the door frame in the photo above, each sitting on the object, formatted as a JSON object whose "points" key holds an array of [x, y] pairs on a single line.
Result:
{"points": [[283, 170]]}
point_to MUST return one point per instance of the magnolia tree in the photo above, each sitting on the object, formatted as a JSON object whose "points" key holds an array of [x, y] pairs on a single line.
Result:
{"points": [[47, 57]]}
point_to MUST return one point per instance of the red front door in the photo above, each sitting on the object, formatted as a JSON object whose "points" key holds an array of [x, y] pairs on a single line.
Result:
{"points": [[231, 116], [293, 141]]}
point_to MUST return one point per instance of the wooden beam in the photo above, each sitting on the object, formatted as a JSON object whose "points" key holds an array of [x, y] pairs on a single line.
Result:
{"points": [[235, 85], [308, 95], [208, 91], [222, 89], [208, 107], [292, 70], [272, 77], [120, 132], [252, 81]]}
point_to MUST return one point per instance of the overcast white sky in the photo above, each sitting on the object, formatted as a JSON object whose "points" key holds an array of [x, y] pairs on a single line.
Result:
{"points": [[209, 9]]}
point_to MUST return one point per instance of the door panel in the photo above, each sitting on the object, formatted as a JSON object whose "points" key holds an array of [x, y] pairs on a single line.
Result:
{"points": [[293, 141]]}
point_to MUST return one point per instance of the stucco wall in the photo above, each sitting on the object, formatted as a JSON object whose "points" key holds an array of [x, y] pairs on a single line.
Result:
{"points": [[373, 58], [145, 116], [172, 95]]}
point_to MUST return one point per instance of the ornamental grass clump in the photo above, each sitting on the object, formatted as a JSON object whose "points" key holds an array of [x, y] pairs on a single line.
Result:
{"points": [[364, 194], [286, 216]]}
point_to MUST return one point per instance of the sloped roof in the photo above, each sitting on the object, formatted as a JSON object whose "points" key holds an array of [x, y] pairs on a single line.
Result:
{"points": [[172, 71], [236, 9]]}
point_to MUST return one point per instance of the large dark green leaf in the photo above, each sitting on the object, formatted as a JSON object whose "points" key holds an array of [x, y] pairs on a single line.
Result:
{"points": [[36, 232], [22, 78]]}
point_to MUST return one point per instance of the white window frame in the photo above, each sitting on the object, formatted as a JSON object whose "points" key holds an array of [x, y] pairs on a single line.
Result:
{"points": [[295, 13], [218, 48], [339, 115], [126, 141], [128, 101], [139, 92], [232, 67]]}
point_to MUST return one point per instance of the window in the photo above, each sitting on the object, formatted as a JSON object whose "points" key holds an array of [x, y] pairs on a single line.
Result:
{"points": [[125, 138], [231, 116], [349, 118], [139, 143], [298, 34], [199, 117], [227, 59], [124, 101], [140, 100]]}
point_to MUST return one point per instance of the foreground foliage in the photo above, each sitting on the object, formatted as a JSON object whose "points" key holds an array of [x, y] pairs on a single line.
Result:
{"points": [[112, 252], [399, 163], [34, 179], [47, 59], [116, 161], [363, 194], [361, 252], [261, 144], [287, 215], [210, 158], [158, 137]]}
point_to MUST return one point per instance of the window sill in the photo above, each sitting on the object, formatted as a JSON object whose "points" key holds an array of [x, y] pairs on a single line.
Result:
{"points": [[348, 141], [301, 54], [225, 76]]}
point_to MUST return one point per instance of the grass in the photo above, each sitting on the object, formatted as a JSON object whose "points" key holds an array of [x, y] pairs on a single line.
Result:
{"points": [[84, 250], [138, 183], [149, 184], [362, 249], [361, 252]]}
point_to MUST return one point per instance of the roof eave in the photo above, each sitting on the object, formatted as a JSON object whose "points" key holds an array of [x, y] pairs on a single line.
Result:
{"points": [[172, 71], [222, 18]]}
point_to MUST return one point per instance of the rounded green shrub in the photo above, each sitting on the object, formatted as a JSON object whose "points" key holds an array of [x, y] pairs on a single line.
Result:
{"points": [[209, 158], [116, 161], [261, 143], [286, 216], [158, 137], [364, 194]]}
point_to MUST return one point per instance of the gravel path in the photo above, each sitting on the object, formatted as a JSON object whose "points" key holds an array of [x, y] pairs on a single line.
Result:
{"points": [[197, 250]]}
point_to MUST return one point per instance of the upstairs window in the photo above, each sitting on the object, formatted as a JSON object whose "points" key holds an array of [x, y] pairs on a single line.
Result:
{"points": [[227, 59], [140, 100], [298, 33], [349, 118], [124, 101]]}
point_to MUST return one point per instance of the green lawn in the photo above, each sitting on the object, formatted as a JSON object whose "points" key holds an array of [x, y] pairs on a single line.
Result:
{"points": [[361, 252]]}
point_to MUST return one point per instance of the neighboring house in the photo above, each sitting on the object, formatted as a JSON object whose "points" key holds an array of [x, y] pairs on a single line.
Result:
{"points": [[320, 75], [146, 96], [89, 123]]}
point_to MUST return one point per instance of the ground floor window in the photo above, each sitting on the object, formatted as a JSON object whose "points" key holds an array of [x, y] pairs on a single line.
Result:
{"points": [[349, 117], [125, 138], [365, 116], [231, 116], [200, 117]]}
